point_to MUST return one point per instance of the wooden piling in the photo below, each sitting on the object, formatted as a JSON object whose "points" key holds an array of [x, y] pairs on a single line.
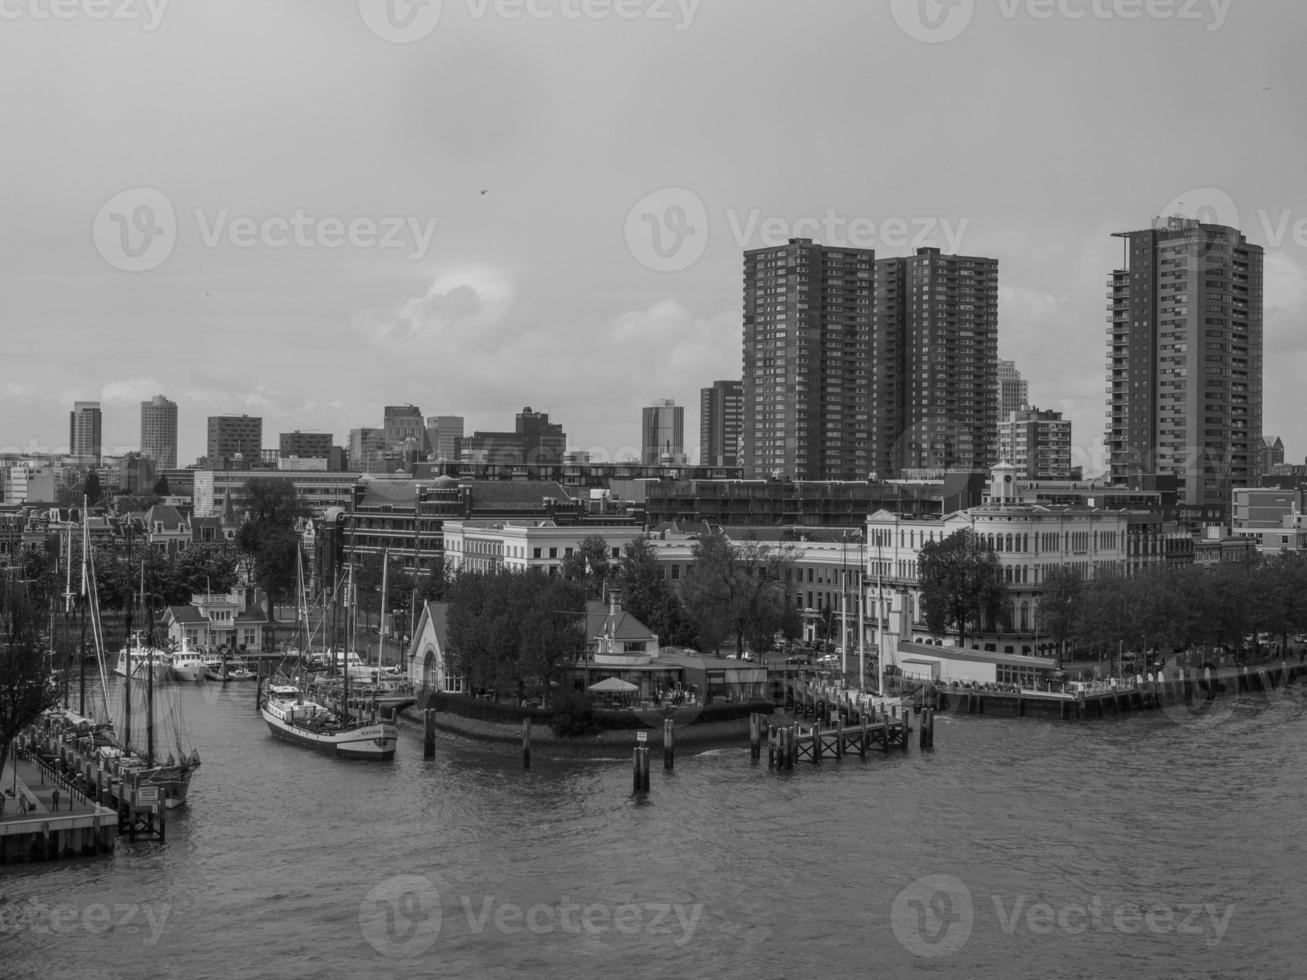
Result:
{"points": [[839, 738], [669, 745], [755, 735], [429, 733], [526, 743], [862, 744], [640, 771]]}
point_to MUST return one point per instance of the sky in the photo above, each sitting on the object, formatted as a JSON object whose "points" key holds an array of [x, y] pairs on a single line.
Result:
{"points": [[307, 210]]}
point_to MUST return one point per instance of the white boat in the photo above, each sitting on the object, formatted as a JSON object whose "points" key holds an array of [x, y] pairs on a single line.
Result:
{"points": [[239, 672], [141, 658], [293, 718], [215, 670], [188, 664]]}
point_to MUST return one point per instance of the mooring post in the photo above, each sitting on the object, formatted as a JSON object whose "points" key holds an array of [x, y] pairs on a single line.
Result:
{"points": [[884, 733], [669, 744], [839, 738], [755, 732], [862, 742], [429, 733], [771, 746], [526, 743], [640, 774]]}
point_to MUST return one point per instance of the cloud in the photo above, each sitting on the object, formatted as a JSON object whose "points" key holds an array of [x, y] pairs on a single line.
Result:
{"points": [[460, 306], [1284, 283]]}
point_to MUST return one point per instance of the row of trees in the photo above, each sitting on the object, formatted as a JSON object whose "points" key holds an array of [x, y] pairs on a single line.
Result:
{"points": [[1165, 609], [26, 685], [1158, 608]]}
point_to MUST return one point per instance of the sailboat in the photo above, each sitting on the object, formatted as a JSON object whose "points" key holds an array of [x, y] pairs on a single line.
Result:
{"points": [[293, 717], [100, 736]]}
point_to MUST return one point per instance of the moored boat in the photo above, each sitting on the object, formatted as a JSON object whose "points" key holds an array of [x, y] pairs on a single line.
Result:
{"points": [[145, 660], [293, 718], [188, 664]]}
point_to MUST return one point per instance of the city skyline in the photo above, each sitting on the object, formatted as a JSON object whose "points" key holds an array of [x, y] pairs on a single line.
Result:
{"points": [[494, 311]]}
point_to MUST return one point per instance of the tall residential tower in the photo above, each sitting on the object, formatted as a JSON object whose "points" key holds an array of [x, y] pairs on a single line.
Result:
{"points": [[721, 420], [84, 433], [1185, 358], [159, 432]]}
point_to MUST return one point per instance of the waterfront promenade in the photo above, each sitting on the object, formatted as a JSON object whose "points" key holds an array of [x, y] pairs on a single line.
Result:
{"points": [[43, 820]]}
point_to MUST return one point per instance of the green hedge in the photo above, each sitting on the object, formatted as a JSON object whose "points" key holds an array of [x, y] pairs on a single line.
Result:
{"points": [[511, 714]]}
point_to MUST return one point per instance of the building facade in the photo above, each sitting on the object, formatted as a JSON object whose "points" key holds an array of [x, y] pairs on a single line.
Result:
{"points": [[403, 422], [1185, 358], [444, 432], [662, 433], [807, 358], [721, 423], [159, 432], [934, 398], [1037, 443], [233, 436], [1013, 390], [483, 546], [304, 445], [84, 423]]}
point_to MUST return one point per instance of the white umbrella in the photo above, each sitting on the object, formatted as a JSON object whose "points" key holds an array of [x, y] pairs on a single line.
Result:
{"points": [[614, 685]]}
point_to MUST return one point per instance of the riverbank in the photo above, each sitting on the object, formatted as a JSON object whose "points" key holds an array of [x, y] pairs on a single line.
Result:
{"points": [[506, 739]]}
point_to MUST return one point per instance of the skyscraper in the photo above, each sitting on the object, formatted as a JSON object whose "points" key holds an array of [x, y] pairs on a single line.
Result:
{"points": [[1185, 358], [721, 419], [1013, 390], [662, 432], [542, 441], [84, 433], [159, 432], [807, 342], [404, 422], [934, 390], [230, 435], [443, 435]]}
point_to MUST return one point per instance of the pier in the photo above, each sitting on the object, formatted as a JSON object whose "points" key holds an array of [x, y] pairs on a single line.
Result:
{"points": [[45, 820], [1191, 686]]}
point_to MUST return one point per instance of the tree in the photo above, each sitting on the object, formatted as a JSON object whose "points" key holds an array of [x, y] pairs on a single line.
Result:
{"points": [[960, 584], [512, 630], [647, 596], [741, 590], [714, 591], [1059, 605], [589, 564], [269, 537], [768, 604], [26, 686]]}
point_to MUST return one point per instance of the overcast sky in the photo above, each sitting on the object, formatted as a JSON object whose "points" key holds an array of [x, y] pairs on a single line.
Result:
{"points": [[308, 209]]}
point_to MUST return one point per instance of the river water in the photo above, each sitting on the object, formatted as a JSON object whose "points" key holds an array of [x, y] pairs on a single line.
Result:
{"points": [[1149, 845]]}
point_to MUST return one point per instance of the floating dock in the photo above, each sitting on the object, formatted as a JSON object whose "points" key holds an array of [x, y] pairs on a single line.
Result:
{"points": [[43, 820]]}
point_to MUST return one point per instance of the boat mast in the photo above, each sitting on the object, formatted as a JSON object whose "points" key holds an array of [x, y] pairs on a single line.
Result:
{"points": [[149, 670], [385, 568]]}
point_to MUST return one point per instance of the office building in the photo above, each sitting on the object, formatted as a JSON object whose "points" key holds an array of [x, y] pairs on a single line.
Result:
{"points": [[662, 432], [404, 422], [1013, 390], [443, 435], [84, 433], [304, 445], [234, 438], [1185, 359], [721, 421], [159, 432]]}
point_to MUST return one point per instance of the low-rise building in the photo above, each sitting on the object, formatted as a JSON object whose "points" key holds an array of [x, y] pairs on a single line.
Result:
{"points": [[211, 622]]}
